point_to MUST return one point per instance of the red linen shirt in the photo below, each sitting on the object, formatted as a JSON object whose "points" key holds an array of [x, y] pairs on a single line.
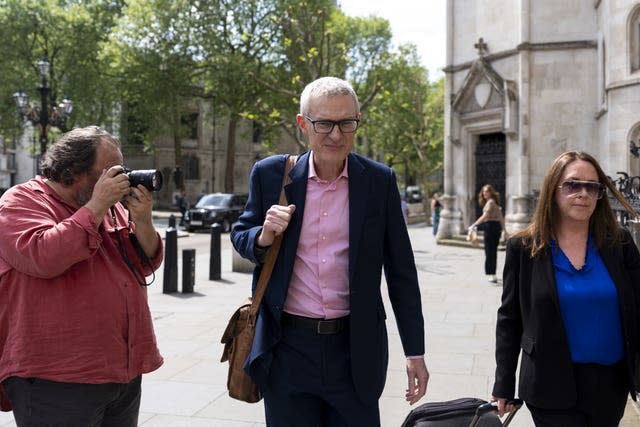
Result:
{"points": [[70, 308], [319, 285]]}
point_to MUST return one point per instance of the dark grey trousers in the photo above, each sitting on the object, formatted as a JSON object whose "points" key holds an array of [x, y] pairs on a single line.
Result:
{"points": [[38, 402]]}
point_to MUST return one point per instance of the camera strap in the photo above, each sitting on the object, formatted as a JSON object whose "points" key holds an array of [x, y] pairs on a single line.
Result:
{"points": [[138, 248]]}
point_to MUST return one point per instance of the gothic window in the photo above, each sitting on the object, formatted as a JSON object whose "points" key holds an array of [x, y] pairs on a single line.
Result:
{"points": [[634, 39]]}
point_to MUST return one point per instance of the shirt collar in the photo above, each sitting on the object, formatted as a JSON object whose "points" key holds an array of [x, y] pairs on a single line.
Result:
{"points": [[314, 175]]}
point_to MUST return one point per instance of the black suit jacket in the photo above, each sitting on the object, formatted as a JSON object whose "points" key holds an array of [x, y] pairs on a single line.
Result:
{"points": [[377, 238], [530, 322]]}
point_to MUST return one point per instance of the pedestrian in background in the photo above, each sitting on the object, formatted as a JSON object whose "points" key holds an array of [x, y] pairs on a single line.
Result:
{"points": [[570, 304], [75, 327], [491, 223], [183, 205], [436, 206], [320, 351]]}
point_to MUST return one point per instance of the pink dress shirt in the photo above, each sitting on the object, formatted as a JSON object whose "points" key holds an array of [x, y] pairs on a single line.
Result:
{"points": [[319, 285], [70, 309]]}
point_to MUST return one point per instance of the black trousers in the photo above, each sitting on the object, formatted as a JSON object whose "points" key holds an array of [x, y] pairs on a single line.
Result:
{"points": [[492, 230], [310, 383], [37, 402], [602, 397]]}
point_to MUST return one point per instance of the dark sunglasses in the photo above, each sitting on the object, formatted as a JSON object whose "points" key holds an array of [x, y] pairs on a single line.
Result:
{"points": [[573, 188]]}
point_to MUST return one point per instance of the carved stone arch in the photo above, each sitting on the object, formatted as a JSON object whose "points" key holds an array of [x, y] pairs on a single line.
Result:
{"points": [[633, 139], [633, 39], [485, 93]]}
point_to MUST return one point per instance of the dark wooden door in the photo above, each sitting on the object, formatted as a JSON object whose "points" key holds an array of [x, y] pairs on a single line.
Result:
{"points": [[490, 165]]}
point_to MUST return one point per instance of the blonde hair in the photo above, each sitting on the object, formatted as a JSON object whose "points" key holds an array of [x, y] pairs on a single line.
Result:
{"points": [[494, 195]]}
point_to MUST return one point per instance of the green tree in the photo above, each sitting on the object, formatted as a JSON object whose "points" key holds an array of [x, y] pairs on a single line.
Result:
{"points": [[69, 35], [316, 39], [234, 37], [403, 126], [154, 57]]}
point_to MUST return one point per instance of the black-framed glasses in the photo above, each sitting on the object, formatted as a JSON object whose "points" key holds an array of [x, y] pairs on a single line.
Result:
{"points": [[326, 126], [572, 187]]}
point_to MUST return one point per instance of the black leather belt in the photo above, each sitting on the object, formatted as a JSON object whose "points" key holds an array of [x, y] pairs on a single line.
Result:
{"points": [[319, 326]]}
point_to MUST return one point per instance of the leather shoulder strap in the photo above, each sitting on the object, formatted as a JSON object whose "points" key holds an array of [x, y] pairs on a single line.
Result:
{"points": [[272, 252]]}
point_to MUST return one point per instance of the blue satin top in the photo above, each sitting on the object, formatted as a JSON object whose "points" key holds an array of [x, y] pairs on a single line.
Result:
{"points": [[590, 307]]}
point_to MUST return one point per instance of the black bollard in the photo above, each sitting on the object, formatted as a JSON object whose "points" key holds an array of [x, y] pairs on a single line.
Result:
{"points": [[188, 270], [172, 221], [170, 277], [214, 253]]}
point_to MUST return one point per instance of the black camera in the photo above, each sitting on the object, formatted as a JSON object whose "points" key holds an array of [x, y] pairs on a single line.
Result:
{"points": [[150, 178]]}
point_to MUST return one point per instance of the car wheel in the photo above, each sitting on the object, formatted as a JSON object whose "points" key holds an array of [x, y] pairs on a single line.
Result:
{"points": [[226, 226]]}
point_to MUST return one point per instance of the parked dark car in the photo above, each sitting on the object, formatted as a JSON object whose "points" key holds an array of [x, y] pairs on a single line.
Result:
{"points": [[413, 194], [216, 208]]}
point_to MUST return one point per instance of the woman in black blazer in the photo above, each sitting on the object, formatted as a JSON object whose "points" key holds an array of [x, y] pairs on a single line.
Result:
{"points": [[571, 304]]}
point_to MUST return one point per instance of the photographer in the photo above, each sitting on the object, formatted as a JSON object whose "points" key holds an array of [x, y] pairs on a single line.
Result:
{"points": [[75, 328]]}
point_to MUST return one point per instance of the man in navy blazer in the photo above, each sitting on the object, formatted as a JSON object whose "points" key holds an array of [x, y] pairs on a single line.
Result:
{"points": [[320, 351]]}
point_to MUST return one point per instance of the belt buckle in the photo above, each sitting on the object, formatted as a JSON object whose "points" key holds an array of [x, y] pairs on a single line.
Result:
{"points": [[328, 328]]}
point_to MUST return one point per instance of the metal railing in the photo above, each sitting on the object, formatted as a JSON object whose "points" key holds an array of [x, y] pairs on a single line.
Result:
{"points": [[629, 187]]}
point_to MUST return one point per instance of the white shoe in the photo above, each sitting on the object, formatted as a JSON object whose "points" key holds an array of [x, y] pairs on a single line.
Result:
{"points": [[492, 278]]}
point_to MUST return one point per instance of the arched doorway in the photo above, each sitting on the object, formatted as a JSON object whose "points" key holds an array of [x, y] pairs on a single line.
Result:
{"points": [[490, 165]]}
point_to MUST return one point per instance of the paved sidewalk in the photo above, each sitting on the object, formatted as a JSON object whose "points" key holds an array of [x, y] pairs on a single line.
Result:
{"points": [[459, 306]]}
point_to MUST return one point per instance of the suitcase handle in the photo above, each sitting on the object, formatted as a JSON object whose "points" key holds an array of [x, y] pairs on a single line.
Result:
{"points": [[491, 406]]}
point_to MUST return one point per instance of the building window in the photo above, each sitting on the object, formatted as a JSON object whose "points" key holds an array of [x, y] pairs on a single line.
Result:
{"points": [[258, 133], [634, 39], [191, 167], [190, 125]]}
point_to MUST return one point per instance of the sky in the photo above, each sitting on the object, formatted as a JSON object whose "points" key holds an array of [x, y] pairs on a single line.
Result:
{"points": [[420, 22]]}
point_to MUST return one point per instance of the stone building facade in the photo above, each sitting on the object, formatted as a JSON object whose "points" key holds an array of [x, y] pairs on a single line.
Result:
{"points": [[526, 80], [204, 155], [203, 151]]}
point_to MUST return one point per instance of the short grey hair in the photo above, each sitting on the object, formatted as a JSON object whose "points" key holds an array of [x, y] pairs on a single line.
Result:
{"points": [[327, 86]]}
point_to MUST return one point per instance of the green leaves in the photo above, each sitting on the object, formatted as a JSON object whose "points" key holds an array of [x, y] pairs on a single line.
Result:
{"points": [[145, 64]]}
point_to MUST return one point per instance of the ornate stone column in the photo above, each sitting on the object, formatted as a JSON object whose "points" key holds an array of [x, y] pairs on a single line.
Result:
{"points": [[450, 218], [520, 215]]}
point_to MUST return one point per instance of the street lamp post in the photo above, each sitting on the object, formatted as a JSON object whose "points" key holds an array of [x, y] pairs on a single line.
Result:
{"points": [[45, 115]]}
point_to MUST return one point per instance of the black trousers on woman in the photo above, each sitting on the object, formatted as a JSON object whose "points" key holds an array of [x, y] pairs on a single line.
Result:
{"points": [[492, 230], [602, 397]]}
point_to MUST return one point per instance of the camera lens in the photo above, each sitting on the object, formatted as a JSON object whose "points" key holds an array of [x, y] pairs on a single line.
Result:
{"points": [[150, 178]]}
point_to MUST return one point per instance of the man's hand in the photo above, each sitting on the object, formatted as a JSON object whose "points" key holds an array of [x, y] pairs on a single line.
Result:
{"points": [[275, 223], [418, 377], [110, 188], [139, 202]]}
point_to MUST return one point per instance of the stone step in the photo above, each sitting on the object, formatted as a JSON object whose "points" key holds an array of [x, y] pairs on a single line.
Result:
{"points": [[460, 240]]}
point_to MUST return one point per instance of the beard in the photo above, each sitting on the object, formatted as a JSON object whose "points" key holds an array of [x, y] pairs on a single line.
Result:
{"points": [[83, 195]]}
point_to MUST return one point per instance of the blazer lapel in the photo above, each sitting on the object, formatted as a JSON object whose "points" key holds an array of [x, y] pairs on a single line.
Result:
{"points": [[358, 191], [546, 262], [612, 260], [296, 192]]}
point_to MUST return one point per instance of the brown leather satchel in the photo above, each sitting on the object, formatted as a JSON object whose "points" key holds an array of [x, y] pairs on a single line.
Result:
{"points": [[238, 336]]}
